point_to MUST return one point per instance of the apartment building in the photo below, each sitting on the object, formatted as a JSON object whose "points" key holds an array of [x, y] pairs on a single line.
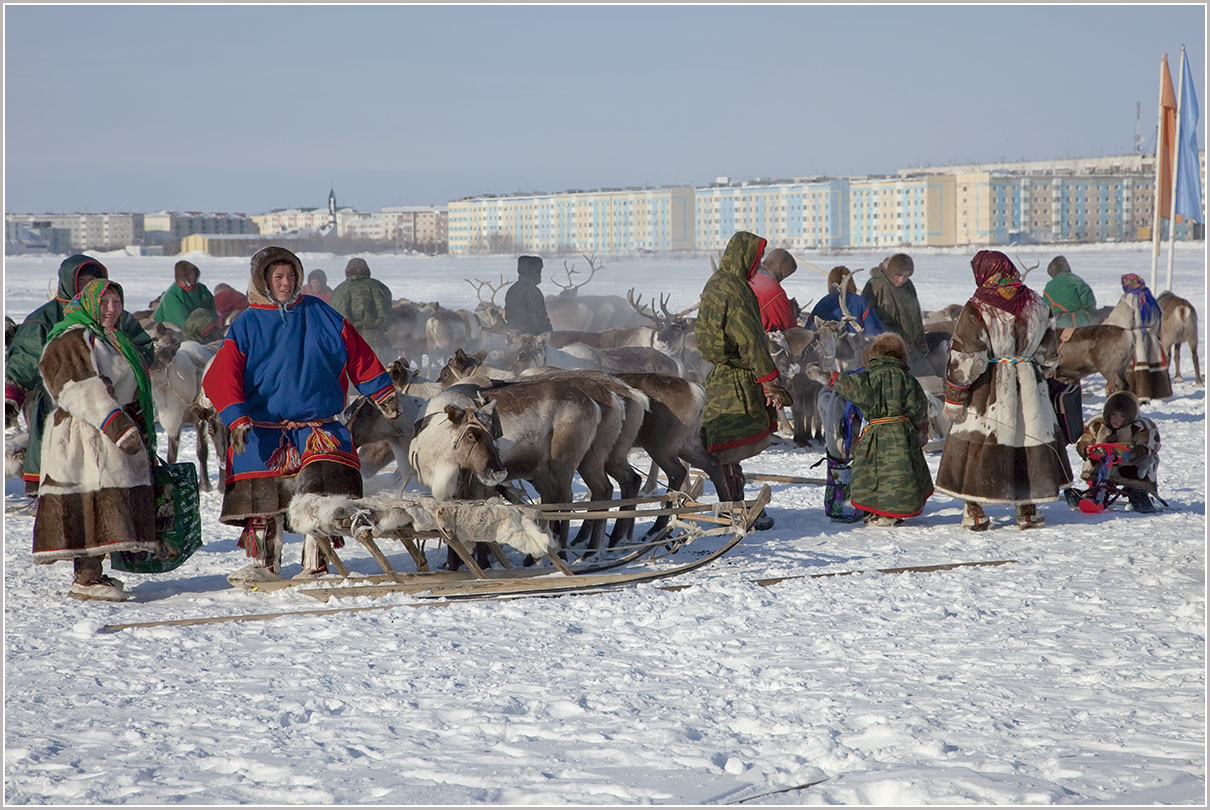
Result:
{"points": [[893, 211], [86, 231], [402, 225], [287, 220], [164, 226], [796, 214], [603, 221]]}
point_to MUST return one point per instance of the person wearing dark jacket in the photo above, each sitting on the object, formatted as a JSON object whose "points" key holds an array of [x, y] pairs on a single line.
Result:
{"points": [[524, 305], [183, 297], [22, 379], [891, 292], [366, 303]]}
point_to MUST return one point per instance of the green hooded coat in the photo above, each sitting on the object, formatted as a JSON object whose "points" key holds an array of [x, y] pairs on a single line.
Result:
{"points": [[737, 420], [179, 301], [366, 303], [1070, 299], [30, 338], [890, 475], [899, 310]]}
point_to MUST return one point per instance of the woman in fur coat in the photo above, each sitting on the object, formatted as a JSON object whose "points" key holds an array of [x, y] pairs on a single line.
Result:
{"points": [[1005, 446], [277, 382], [95, 494], [1138, 312]]}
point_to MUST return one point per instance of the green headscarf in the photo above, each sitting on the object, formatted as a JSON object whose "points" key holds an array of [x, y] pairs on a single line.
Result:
{"points": [[85, 310]]}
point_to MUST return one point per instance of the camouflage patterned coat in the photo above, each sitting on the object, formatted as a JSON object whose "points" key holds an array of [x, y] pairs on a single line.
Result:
{"points": [[890, 475], [737, 422]]}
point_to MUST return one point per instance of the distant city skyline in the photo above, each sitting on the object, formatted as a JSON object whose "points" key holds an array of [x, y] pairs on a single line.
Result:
{"points": [[253, 108]]}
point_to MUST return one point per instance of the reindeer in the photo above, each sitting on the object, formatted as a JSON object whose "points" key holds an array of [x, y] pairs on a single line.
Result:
{"points": [[447, 330], [669, 329], [406, 324], [671, 433], [569, 311], [488, 311], [548, 432], [176, 389], [1103, 348], [1179, 325], [463, 367], [620, 359]]}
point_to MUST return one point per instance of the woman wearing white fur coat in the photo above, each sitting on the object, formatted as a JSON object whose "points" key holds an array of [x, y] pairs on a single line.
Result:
{"points": [[95, 494], [1004, 446]]}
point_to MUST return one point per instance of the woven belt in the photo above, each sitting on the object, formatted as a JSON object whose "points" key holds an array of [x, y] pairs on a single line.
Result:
{"points": [[886, 420], [1014, 360]]}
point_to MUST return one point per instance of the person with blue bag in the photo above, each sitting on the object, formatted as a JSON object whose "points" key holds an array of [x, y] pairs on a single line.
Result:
{"points": [[95, 493]]}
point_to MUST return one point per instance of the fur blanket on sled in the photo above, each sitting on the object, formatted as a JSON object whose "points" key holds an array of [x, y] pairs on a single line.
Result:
{"points": [[490, 521]]}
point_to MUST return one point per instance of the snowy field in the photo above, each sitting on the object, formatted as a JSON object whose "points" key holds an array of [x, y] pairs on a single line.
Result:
{"points": [[1074, 675]]}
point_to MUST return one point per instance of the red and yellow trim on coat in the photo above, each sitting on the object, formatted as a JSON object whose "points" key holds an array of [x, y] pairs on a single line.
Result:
{"points": [[884, 513]]}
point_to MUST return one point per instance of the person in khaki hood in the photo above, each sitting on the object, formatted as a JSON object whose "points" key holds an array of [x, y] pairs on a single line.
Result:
{"points": [[183, 297], [278, 382], [366, 303]]}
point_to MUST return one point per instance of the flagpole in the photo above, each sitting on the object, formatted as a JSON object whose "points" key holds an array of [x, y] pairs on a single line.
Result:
{"points": [[1159, 138], [1176, 163]]}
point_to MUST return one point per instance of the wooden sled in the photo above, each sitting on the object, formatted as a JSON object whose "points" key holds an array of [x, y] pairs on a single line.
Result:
{"points": [[691, 518]]}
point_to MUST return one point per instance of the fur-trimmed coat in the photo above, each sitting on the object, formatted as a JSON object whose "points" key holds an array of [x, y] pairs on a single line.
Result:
{"points": [[21, 368], [1139, 433], [1008, 448], [93, 498], [898, 309], [285, 369], [1071, 300], [1148, 375]]}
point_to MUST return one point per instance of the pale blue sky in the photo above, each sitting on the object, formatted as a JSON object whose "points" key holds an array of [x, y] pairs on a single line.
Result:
{"points": [[247, 108]]}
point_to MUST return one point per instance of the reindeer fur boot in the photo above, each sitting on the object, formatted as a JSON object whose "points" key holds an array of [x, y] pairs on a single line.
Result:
{"points": [[262, 541]]}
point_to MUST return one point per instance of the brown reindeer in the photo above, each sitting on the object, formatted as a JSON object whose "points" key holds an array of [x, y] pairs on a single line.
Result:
{"points": [[405, 327], [1179, 325], [1101, 349]]}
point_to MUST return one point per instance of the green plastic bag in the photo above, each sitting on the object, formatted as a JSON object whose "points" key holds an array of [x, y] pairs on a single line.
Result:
{"points": [[178, 522]]}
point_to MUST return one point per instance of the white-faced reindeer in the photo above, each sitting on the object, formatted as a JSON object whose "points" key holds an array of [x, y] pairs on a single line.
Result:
{"points": [[570, 311], [176, 390]]}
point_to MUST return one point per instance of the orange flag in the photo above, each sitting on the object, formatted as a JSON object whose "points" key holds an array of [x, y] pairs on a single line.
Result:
{"points": [[1166, 147]]}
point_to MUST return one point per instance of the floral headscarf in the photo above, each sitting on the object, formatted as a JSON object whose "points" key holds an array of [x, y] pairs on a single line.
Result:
{"points": [[1000, 284], [1149, 308], [85, 310]]}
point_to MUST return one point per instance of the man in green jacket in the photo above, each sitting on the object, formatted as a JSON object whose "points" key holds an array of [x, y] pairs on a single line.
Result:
{"points": [[23, 381], [366, 303], [741, 394], [183, 297], [1070, 298]]}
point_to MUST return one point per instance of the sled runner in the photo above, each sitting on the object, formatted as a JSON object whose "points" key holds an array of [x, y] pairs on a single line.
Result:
{"points": [[497, 523]]}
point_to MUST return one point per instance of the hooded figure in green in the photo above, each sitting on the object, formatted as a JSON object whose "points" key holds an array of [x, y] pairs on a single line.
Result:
{"points": [[1069, 297], [366, 303], [21, 376], [738, 420], [891, 292], [183, 297]]}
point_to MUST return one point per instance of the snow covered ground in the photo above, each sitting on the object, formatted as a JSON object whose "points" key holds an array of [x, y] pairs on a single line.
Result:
{"points": [[1075, 675]]}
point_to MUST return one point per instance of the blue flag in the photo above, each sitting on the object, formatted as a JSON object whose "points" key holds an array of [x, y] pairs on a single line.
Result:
{"points": [[1189, 170]]}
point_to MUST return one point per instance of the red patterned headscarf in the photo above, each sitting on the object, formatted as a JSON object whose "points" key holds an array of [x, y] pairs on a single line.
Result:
{"points": [[999, 282]]}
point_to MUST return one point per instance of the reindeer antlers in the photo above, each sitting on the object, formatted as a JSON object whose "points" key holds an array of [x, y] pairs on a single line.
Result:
{"points": [[481, 285], [1027, 269], [593, 266], [664, 316]]}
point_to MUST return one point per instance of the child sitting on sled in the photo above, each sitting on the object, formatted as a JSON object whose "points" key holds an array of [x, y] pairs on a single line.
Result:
{"points": [[1133, 463]]}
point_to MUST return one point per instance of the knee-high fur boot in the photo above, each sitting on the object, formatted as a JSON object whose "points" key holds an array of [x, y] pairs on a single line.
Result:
{"points": [[733, 474]]}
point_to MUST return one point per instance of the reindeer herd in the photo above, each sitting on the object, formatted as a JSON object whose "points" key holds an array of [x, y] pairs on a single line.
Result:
{"points": [[489, 405]]}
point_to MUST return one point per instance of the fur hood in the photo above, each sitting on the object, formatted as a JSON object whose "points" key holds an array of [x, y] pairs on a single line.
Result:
{"points": [[69, 271], [186, 273], [357, 267], [834, 276], [1122, 402], [888, 344], [1058, 265], [779, 264], [258, 286], [318, 274]]}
